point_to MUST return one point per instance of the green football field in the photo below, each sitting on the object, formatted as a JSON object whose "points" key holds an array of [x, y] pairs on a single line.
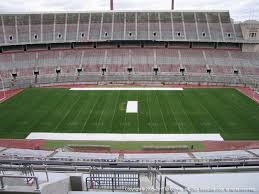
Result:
{"points": [[224, 111]]}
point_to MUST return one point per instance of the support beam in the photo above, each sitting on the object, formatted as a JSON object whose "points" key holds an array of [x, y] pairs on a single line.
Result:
{"points": [[172, 7], [111, 4]]}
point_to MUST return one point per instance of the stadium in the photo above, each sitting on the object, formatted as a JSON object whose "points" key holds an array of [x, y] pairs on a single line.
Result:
{"points": [[162, 101]]}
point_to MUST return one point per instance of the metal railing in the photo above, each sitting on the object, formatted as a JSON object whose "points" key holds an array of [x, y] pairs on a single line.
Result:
{"points": [[170, 189], [112, 181], [19, 177]]}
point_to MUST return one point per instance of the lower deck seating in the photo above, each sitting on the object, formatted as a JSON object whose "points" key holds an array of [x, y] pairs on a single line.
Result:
{"points": [[220, 69], [196, 68], [147, 64], [249, 70]]}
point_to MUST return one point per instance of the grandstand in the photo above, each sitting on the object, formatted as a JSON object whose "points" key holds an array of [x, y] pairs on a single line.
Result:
{"points": [[68, 76], [122, 47]]}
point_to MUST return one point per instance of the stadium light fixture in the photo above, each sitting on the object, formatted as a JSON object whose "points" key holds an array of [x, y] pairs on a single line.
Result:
{"points": [[111, 4], [172, 7]]}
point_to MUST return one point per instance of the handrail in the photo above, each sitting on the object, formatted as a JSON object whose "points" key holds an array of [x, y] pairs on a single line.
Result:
{"points": [[176, 183]]}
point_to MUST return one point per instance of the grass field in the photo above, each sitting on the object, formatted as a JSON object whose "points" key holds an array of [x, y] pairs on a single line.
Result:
{"points": [[224, 111], [126, 145]]}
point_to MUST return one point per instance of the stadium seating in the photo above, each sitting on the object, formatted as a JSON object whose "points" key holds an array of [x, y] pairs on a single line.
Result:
{"points": [[128, 157], [157, 157], [76, 63], [255, 151], [236, 154], [84, 156], [15, 152], [105, 46], [139, 25]]}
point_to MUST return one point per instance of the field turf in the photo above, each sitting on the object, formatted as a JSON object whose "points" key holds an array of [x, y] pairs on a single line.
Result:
{"points": [[224, 111], [125, 145]]}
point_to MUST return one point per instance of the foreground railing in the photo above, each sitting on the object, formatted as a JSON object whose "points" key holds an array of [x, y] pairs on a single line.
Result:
{"points": [[18, 177]]}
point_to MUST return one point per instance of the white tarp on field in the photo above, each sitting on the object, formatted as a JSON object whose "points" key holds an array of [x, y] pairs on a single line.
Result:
{"points": [[132, 107], [126, 89], [125, 137]]}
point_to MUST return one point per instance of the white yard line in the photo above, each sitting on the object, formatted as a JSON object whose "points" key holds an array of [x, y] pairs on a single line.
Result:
{"points": [[67, 113], [187, 116], [89, 115], [204, 108], [173, 113], [116, 102], [138, 114], [152, 128], [126, 89], [161, 113], [125, 137], [100, 117]]}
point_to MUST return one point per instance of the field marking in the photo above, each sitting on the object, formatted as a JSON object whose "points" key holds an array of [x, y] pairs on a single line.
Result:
{"points": [[161, 113], [116, 103], [138, 114], [173, 113], [132, 107], [125, 116], [89, 115], [220, 127], [127, 89], [149, 112], [67, 113], [86, 102], [103, 108], [187, 116], [125, 137]]}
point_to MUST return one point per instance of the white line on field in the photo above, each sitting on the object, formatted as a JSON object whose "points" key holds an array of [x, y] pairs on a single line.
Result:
{"points": [[187, 115], [97, 99], [125, 116], [138, 114], [220, 128], [173, 113], [116, 102], [161, 113], [149, 113], [67, 113], [127, 89], [100, 116]]}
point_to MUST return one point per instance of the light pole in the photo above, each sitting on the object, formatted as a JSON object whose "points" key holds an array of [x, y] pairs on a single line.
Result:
{"points": [[111, 4]]}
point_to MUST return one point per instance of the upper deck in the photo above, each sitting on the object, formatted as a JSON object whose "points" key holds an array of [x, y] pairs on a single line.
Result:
{"points": [[60, 27]]}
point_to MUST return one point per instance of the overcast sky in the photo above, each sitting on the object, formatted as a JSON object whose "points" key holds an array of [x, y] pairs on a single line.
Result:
{"points": [[239, 9]]}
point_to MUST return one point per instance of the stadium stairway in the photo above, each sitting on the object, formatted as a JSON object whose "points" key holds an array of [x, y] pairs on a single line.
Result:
{"points": [[145, 182]]}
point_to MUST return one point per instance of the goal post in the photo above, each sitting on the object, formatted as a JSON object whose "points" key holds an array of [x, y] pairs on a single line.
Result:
{"points": [[2, 89]]}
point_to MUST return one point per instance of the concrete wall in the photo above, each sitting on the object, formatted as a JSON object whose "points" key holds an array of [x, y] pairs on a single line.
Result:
{"points": [[76, 183], [248, 27], [59, 187], [250, 47]]}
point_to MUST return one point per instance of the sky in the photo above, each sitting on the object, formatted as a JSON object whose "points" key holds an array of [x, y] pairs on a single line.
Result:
{"points": [[239, 9]]}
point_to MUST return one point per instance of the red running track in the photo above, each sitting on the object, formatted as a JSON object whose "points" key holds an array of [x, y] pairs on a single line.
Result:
{"points": [[5, 95], [22, 143]]}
